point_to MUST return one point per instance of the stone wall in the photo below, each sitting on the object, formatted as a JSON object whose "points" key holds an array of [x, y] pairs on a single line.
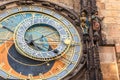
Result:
{"points": [[72, 4], [108, 63], [111, 10]]}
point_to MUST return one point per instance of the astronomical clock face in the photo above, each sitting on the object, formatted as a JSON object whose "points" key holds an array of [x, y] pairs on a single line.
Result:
{"points": [[37, 43]]}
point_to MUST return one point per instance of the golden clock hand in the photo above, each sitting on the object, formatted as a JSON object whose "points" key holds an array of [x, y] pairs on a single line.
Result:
{"points": [[39, 47], [56, 52], [38, 38], [29, 39], [26, 63], [44, 36], [53, 42], [49, 34], [36, 46], [8, 29]]}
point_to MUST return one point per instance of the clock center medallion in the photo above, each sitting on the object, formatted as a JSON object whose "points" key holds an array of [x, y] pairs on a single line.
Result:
{"points": [[34, 39]]}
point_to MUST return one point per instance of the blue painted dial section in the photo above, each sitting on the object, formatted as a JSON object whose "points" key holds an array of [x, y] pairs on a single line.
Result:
{"points": [[12, 19]]}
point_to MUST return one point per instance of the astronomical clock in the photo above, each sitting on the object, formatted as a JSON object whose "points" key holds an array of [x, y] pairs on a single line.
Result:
{"points": [[38, 41]]}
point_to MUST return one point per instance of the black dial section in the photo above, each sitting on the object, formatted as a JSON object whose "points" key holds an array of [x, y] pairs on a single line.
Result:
{"points": [[25, 65]]}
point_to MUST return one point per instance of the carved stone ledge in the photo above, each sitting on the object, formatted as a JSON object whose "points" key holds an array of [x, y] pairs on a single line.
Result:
{"points": [[46, 4], [72, 16], [58, 8], [2, 7]]}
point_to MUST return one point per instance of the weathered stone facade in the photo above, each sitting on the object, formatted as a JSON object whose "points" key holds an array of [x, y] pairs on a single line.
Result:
{"points": [[72, 4], [110, 9]]}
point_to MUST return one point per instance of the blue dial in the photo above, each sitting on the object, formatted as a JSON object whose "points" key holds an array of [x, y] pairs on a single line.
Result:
{"points": [[37, 43], [35, 36]]}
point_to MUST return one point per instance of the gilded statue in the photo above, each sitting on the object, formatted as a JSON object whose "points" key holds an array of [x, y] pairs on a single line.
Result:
{"points": [[85, 24]]}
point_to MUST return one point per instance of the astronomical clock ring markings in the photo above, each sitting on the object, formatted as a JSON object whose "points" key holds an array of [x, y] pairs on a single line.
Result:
{"points": [[65, 30], [22, 29]]}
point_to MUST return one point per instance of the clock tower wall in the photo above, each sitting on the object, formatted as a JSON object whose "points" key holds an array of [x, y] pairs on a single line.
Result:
{"points": [[110, 9], [72, 4]]}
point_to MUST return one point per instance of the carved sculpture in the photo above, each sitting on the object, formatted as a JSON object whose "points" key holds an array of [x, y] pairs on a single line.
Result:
{"points": [[96, 21], [93, 29], [84, 22], [96, 25]]}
